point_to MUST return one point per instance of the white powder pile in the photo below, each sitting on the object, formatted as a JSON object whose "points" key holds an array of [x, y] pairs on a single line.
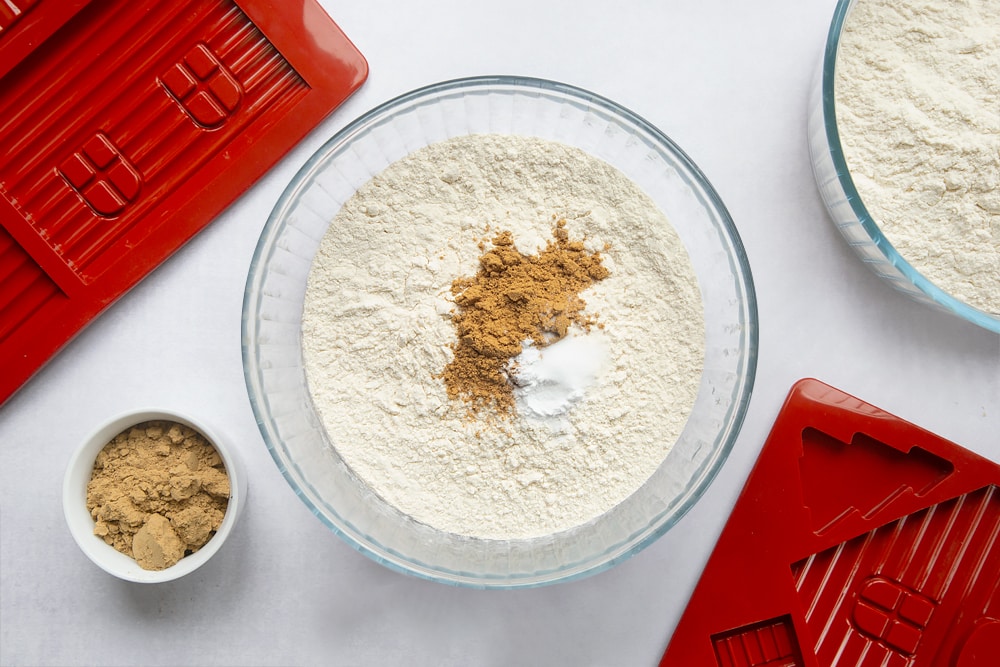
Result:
{"points": [[549, 382], [918, 109], [377, 334]]}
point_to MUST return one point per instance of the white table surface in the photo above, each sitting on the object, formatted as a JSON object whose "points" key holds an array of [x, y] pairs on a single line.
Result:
{"points": [[728, 82]]}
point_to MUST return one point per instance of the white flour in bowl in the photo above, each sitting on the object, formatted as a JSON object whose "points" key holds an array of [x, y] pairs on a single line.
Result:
{"points": [[377, 334], [918, 111]]}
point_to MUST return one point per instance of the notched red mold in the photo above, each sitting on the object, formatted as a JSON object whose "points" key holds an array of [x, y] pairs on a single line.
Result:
{"points": [[125, 127], [869, 474], [862, 538]]}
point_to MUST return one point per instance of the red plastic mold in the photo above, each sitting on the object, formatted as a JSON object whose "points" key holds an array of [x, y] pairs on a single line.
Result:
{"points": [[859, 539], [126, 126]]}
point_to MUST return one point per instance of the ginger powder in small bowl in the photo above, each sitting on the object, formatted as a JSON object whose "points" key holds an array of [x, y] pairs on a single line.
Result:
{"points": [[151, 495]]}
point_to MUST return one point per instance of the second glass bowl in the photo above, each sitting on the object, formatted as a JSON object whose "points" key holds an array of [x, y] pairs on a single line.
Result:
{"points": [[845, 205]]}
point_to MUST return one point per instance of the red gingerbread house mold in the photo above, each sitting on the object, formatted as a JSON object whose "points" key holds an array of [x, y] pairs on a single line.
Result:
{"points": [[859, 539]]}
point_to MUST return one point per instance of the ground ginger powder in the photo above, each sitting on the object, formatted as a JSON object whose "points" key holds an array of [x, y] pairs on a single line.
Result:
{"points": [[515, 298], [158, 492]]}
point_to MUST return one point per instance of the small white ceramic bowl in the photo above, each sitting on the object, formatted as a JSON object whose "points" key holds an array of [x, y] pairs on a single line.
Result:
{"points": [[81, 524]]}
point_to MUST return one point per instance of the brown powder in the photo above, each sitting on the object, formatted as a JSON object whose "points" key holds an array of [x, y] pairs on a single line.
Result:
{"points": [[158, 492], [515, 298]]}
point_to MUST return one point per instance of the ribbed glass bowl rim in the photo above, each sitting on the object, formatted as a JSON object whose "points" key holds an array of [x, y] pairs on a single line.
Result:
{"points": [[932, 291], [738, 262]]}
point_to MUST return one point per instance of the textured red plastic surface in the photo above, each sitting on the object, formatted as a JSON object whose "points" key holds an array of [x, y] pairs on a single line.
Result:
{"points": [[24, 24], [125, 127], [859, 539]]}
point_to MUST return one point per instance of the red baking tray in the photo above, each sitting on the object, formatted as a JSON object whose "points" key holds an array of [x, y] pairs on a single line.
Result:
{"points": [[126, 126], [859, 539]]}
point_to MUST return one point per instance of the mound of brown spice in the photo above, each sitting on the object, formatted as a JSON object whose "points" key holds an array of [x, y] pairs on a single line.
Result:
{"points": [[515, 298], [158, 492]]}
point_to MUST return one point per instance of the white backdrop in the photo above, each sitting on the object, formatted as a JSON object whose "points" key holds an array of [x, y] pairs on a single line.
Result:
{"points": [[728, 82]]}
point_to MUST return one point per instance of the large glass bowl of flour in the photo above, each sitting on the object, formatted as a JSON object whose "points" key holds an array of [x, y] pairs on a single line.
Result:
{"points": [[347, 328], [903, 136]]}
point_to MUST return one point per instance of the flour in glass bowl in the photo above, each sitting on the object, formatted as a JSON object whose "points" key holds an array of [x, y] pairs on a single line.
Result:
{"points": [[917, 96], [377, 332]]}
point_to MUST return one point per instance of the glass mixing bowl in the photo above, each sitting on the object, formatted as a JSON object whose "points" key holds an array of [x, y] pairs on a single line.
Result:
{"points": [[844, 203], [272, 354]]}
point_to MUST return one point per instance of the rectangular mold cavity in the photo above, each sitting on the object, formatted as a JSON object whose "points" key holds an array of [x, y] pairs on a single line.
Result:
{"points": [[126, 127], [766, 644], [859, 539]]}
